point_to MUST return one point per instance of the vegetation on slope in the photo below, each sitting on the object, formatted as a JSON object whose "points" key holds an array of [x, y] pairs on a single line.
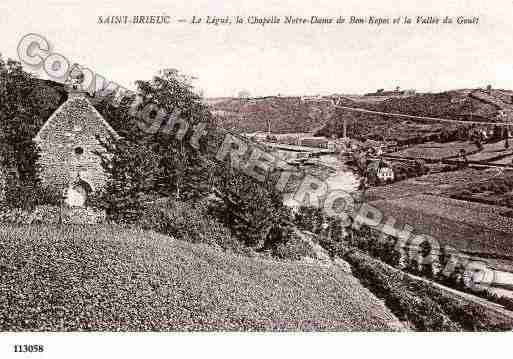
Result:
{"points": [[291, 114], [456, 105], [426, 307], [109, 278], [382, 265], [25, 104], [165, 163], [283, 114]]}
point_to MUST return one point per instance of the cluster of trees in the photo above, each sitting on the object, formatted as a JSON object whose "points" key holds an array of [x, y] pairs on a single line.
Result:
{"points": [[441, 264], [25, 104], [409, 169], [146, 166], [142, 166], [339, 237]]}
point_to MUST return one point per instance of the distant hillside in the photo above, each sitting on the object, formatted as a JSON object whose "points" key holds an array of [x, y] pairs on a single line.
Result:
{"points": [[291, 114], [285, 114], [463, 105]]}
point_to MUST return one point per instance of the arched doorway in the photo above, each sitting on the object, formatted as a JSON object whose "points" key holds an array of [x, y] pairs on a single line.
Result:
{"points": [[77, 193]]}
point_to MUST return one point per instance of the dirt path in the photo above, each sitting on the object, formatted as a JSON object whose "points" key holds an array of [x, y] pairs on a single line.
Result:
{"points": [[450, 162], [466, 297]]}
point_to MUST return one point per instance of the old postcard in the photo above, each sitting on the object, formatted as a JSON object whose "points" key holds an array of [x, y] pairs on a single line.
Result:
{"points": [[240, 167]]}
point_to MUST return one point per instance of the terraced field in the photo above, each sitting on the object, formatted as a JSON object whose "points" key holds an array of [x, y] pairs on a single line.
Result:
{"points": [[435, 184], [466, 226], [490, 152], [434, 151], [508, 160]]}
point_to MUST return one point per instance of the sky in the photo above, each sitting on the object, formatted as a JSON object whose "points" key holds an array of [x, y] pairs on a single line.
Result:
{"points": [[277, 59]]}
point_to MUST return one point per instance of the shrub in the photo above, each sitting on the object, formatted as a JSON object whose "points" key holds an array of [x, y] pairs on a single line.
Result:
{"points": [[49, 196], [294, 249], [15, 215], [131, 169], [21, 195], [336, 248], [506, 302], [391, 253], [309, 218], [46, 214], [421, 167], [252, 210], [188, 221]]}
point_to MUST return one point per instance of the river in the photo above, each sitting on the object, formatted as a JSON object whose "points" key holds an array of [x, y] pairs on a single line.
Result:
{"points": [[344, 178]]}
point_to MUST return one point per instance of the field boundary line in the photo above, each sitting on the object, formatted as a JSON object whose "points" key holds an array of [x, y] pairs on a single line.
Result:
{"points": [[391, 114]]}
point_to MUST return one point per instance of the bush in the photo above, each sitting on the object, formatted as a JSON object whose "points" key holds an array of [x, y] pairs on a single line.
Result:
{"points": [[49, 196], [253, 210], [309, 218], [335, 247], [294, 249], [15, 215], [21, 195], [408, 169], [188, 221], [506, 302], [131, 169], [47, 214]]}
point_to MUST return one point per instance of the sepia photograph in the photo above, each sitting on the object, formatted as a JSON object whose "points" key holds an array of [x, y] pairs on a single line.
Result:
{"points": [[207, 172]]}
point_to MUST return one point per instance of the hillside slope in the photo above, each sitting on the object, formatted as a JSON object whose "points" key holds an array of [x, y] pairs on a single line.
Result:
{"points": [[110, 278], [465, 104], [292, 114], [283, 114]]}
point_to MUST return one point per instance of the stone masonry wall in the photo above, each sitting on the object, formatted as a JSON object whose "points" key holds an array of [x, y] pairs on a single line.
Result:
{"points": [[75, 125]]}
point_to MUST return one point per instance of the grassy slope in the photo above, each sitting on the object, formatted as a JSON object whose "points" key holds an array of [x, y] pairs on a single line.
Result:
{"points": [[436, 151], [433, 183], [469, 227], [109, 278]]}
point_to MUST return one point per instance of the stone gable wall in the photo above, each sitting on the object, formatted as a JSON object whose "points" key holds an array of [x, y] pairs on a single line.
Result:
{"points": [[74, 125]]}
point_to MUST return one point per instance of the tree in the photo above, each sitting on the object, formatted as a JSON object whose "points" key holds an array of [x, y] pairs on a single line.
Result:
{"points": [[254, 211], [184, 170], [132, 170], [118, 116], [309, 218], [25, 104]]}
